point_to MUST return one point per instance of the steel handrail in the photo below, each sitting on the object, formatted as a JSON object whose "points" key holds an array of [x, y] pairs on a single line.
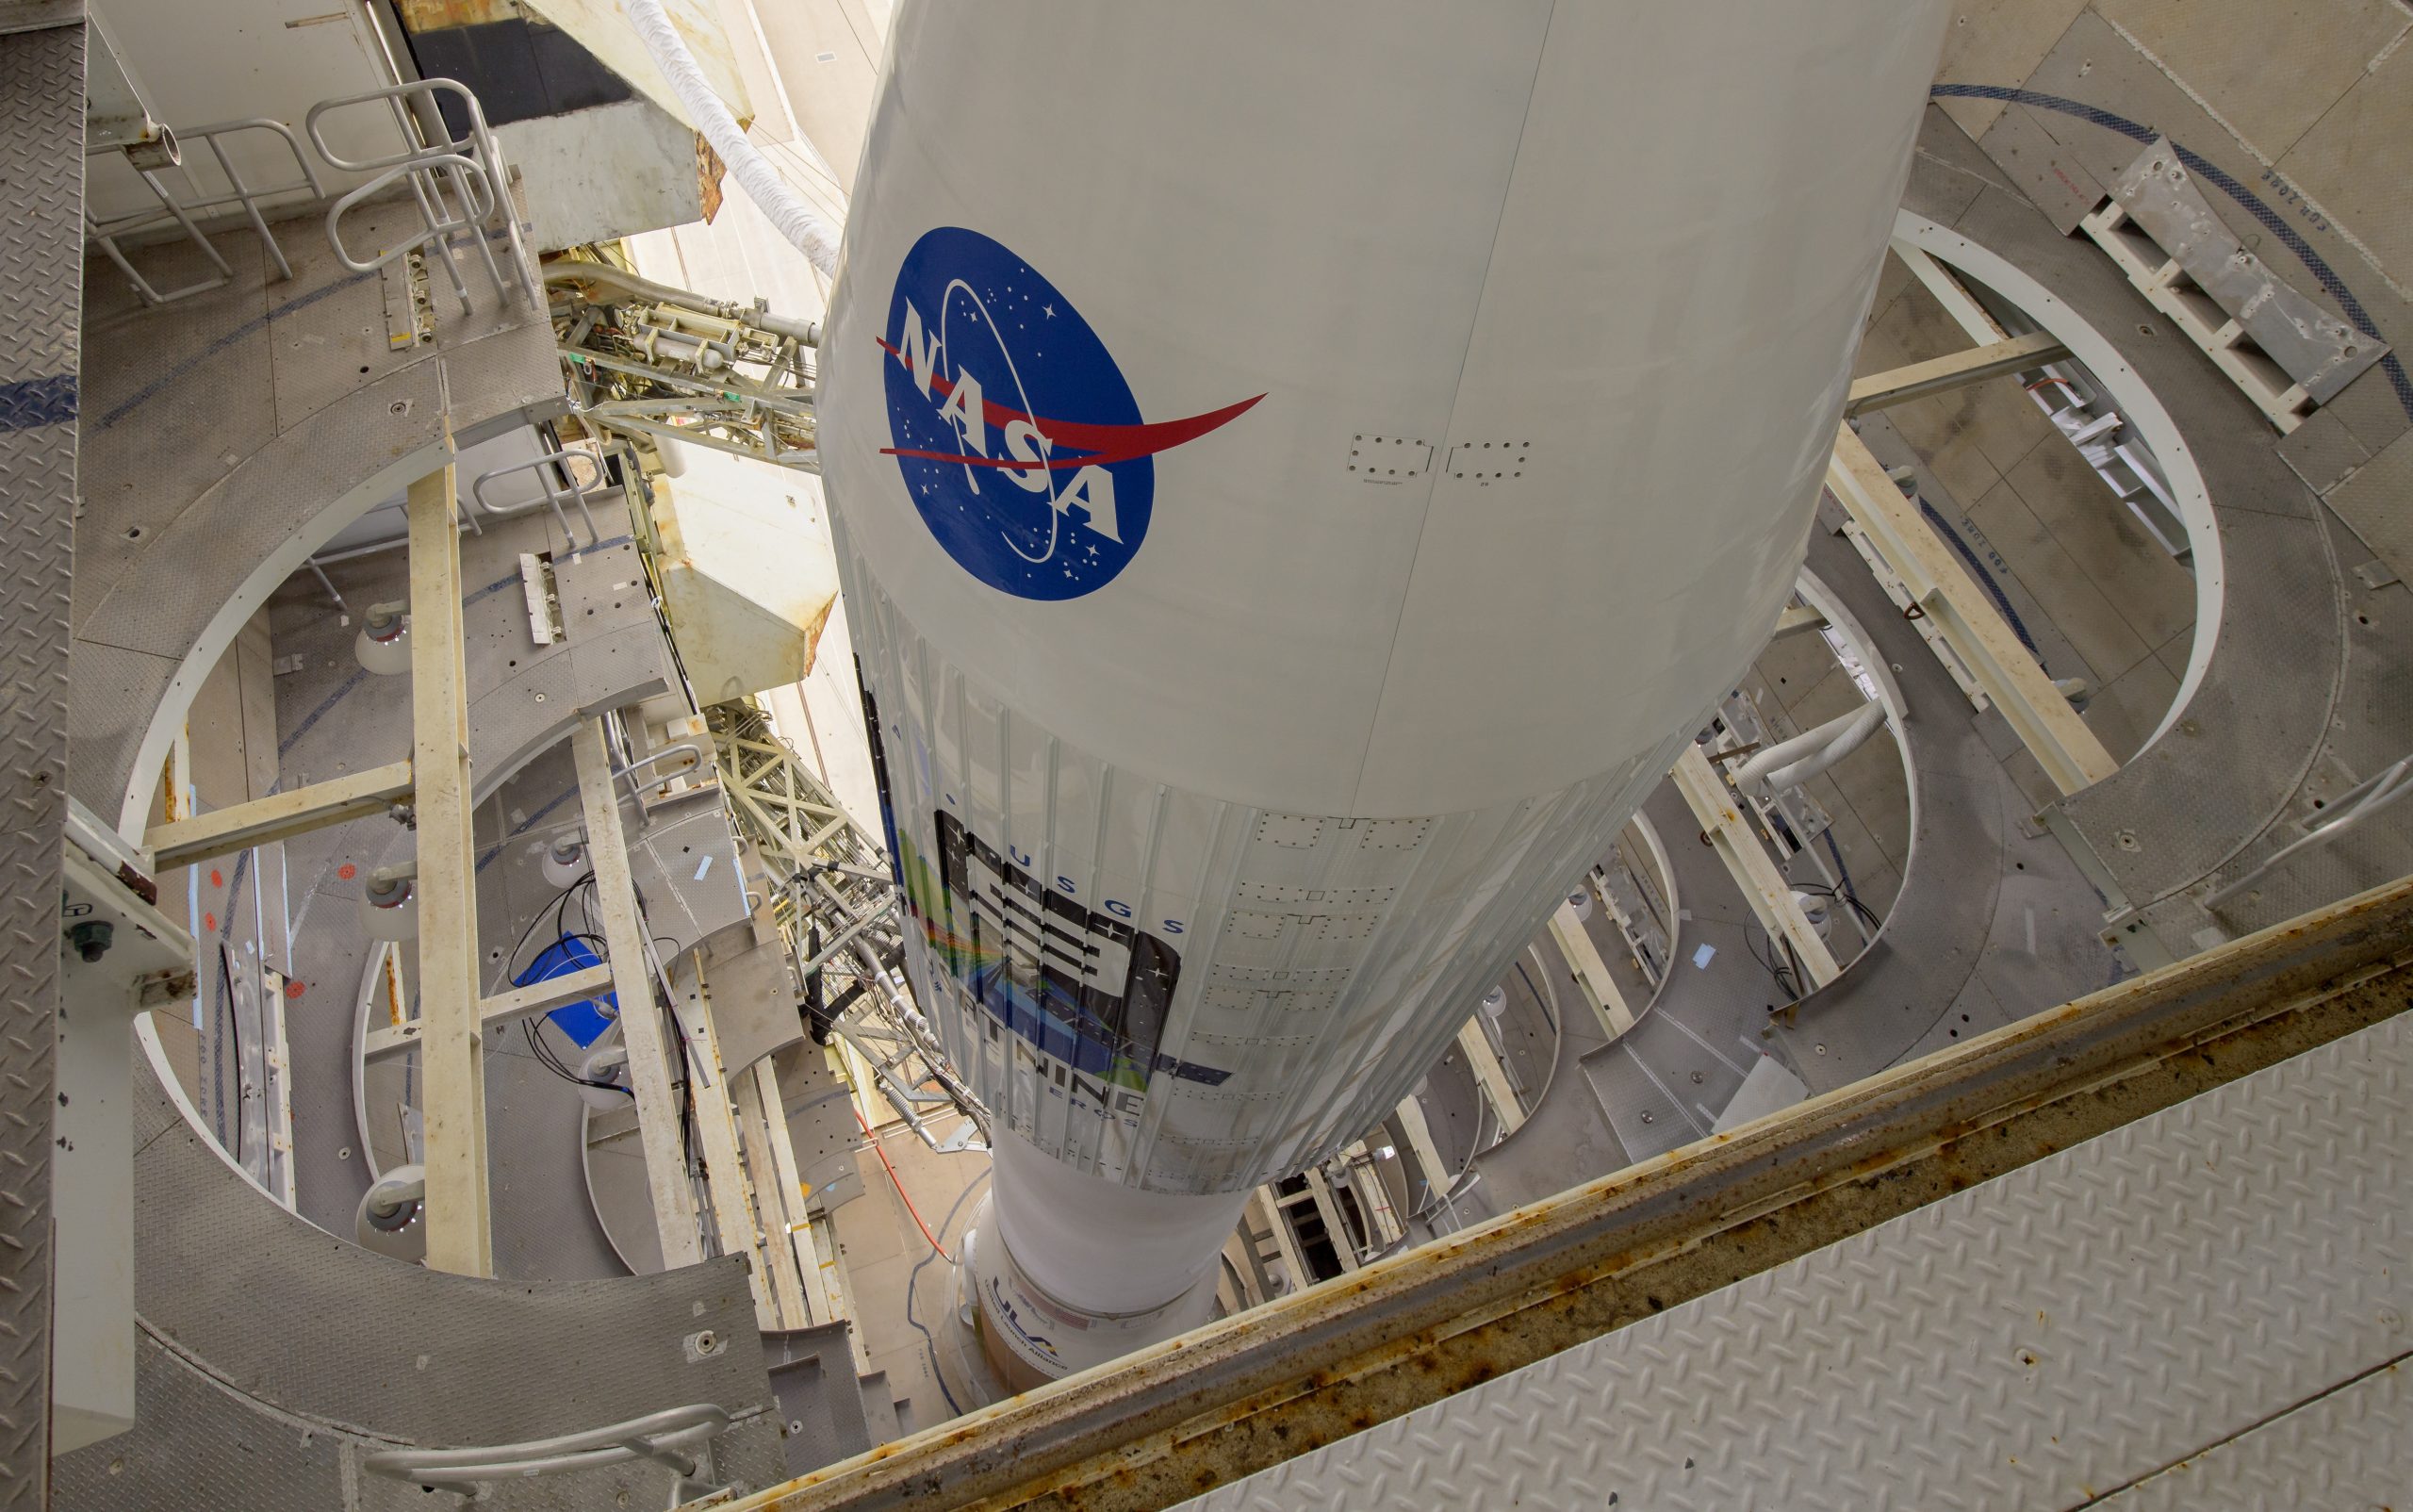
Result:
{"points": [[577, 493], [2355, 805], [473, 162], [656, 1435], [435, 230]]}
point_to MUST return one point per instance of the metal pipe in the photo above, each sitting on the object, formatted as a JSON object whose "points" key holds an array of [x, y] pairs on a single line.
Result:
{"points": [[2367, 797], [321, 573], [656, 1435]]}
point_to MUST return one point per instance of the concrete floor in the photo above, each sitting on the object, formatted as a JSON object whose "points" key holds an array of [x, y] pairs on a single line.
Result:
{"points": [[902, 1289]]}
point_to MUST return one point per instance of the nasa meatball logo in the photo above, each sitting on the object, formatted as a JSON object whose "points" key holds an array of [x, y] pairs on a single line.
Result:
{"points": [[1019, 440]]}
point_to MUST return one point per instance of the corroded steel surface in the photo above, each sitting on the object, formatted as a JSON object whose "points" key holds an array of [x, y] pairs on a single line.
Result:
{"points": [[1273, 1383]]}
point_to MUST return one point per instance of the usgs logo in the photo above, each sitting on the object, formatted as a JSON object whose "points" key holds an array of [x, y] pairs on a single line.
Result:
{"points": [[1018, 438]]}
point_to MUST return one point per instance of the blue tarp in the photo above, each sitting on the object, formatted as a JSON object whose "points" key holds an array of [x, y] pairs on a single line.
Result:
{"points": [[585, 1023]]}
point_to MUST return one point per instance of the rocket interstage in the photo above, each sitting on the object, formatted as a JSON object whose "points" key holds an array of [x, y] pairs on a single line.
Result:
{"points": [[1300, 473]]}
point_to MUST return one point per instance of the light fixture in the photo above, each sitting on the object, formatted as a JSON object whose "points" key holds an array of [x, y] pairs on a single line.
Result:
{"points": [[564, 860], [1495, 1002], [389, 904], [383, 643], [604, 1065], [1581, 901], [390, 1218]]}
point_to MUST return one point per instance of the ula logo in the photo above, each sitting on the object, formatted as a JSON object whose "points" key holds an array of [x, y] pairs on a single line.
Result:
{"points": [[1019, 440]]}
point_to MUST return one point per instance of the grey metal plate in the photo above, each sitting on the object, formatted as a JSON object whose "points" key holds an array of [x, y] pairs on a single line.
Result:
{"points": [[203, 1446], [2004, 1347], [41, 138], [306, 1324], [2347, 1448], [2318, 349]]}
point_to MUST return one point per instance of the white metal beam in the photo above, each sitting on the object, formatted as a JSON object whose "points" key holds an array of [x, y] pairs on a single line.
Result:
{"points": [[504, 1007], [1591, 973], [1344, 1247], [1764, 887], [1491, 1076], [278, 816], [452, 1077], [624, 949], [1900, 385], [1950, 292], [734, 1217], [755, 1114], [1941, 588], [1418, 1131]]}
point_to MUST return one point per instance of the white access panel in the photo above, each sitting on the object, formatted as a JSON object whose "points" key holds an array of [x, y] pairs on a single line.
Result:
{"points": [[2219, 1280]]}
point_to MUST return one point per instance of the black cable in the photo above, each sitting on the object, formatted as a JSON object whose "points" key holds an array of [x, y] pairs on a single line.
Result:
{"points": [[1772, 964], [552, 1061], [1840, 894], [511, 961]]}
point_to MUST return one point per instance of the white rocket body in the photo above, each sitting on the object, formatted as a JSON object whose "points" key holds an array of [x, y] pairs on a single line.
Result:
{"points": [[1301, 471]]}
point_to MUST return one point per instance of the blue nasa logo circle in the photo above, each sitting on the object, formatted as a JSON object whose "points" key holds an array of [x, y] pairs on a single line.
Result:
{"points": [[1019, 441], [1004, 409]]}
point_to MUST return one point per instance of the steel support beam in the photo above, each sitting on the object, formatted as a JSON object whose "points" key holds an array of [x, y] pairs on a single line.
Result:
{"points": [[1491, 1076], [712, 1095], [1950, 292], [1941, 588], [504, 1008], [279, 816], [452, 1070], [1883, 391], [1764, 887], [627, 952], [1592, 975], [1250, 1390], [784, 1279]]}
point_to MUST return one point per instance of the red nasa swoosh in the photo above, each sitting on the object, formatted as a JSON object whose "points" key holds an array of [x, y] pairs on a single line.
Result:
{"points": [[1102, 444]]}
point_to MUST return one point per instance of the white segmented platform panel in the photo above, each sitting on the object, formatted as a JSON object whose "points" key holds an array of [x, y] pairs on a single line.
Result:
{"points": [[2040, 1340]]}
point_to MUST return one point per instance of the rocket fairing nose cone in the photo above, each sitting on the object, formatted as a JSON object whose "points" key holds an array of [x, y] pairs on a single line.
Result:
{"points": [[1281, 552]]}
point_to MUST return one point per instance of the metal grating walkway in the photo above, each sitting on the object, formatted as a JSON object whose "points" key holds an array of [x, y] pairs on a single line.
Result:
{"points": [[41, 268], [2202, 1304]]}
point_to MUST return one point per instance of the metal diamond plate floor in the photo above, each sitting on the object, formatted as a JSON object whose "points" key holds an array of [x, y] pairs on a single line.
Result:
{"points": [[42, 146], [2209, 1290]]}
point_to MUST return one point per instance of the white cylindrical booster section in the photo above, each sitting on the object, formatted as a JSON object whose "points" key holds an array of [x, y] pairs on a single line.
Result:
{"points": [[1116, 1249], [1301, 471]]}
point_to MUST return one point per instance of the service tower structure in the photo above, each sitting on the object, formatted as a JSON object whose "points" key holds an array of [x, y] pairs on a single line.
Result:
{"points": [[1301, 472]]}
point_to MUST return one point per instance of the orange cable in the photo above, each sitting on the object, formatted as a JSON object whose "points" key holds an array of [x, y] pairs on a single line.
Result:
{"points": [[883, 1153]]}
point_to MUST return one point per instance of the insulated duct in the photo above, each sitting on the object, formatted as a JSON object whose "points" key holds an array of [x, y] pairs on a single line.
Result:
{"points": [[797, 221], [1787, 765]]}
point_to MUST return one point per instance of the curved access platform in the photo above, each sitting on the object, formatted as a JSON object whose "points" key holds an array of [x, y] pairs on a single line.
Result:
{"points": [[272, 1359], [2287, 705], [226, 438]]}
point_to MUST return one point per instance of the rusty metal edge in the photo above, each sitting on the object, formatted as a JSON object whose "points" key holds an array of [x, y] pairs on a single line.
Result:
{"points": [[1252, 1390]]}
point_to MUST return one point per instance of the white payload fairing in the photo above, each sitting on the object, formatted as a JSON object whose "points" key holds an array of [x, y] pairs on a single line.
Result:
{"points": [[1301, 471]]}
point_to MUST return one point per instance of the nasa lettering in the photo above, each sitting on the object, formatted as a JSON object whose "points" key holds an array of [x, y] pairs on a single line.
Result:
{"points": [[1020, 442]]}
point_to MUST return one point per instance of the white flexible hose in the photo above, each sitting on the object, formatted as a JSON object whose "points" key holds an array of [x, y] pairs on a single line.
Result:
{"points": [[810, 233], [1794, 762]]}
